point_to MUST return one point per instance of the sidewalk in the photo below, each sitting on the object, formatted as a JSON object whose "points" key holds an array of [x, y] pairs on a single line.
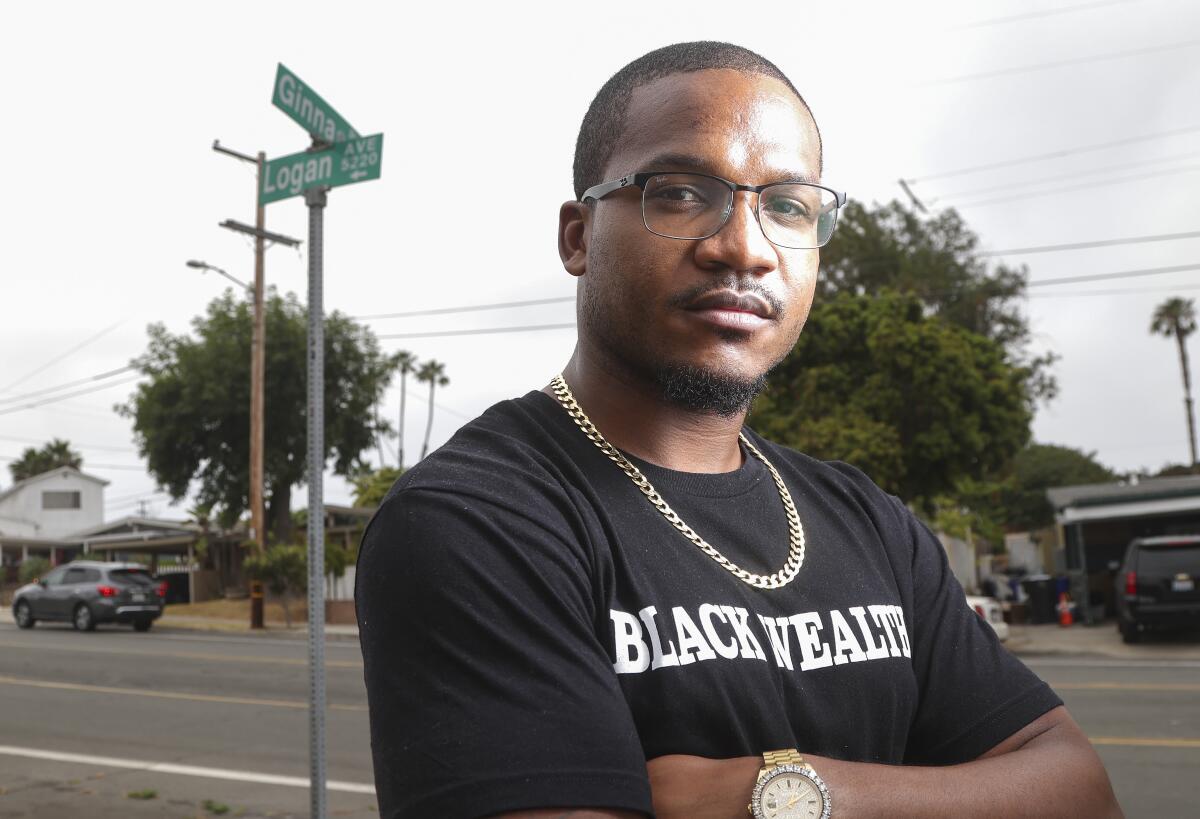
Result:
{"points": [[169, 623], [1100, 641]]}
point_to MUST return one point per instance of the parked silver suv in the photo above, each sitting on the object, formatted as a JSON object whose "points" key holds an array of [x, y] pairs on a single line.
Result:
{"points": [[87, 592]]}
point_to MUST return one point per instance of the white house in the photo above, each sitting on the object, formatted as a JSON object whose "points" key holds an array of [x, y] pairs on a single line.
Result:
{"points": [[53, 504]]}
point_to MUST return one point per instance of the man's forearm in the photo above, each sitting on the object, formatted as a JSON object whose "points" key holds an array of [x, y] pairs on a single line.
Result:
{"points": [[1054, 774]]}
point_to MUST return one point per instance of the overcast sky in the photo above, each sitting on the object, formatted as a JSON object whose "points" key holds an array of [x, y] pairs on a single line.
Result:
{"points": [[111, 109]]}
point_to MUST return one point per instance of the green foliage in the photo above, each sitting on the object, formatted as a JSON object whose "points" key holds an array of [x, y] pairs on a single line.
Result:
{"points": [[433, 373], [1021, 502], [915, 401], [283, 569], [935, 259], [192, 414], [1175, 471], [145, 793], [370, 487], [33, 568], [51, 456], [214, 807]]}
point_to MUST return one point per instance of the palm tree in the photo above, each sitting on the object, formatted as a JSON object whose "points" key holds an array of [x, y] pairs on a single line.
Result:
{"points": [[51, 456], [1177, 317], [407, 362], [434, 373]]}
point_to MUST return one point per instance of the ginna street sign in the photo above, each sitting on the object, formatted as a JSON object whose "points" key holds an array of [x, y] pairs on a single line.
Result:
{"points": [[355, 160], [308, 109]]}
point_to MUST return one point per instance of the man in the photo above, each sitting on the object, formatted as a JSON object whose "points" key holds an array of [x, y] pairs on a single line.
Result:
{"points": [[607, 598]]}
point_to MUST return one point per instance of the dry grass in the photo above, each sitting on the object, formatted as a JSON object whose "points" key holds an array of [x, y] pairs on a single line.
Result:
{"points": [[223, 609]]}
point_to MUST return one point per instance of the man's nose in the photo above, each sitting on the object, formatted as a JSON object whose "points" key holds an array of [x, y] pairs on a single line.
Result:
{"points": [[739, 245]]}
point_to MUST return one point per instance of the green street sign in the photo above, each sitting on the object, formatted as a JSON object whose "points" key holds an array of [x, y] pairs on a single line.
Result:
{"points": [[356, 160], [308, 110]]}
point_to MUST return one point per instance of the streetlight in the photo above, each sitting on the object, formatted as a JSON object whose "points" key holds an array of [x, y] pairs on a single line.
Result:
{"points": [[256, 404], [204, 267]]}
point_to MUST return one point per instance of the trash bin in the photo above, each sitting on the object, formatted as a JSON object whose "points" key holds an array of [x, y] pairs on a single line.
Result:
{"points": [[1041, 589]]}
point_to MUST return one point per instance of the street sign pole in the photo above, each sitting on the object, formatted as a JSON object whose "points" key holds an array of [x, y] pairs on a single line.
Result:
{"points": [[315, 199], [257, 375]]}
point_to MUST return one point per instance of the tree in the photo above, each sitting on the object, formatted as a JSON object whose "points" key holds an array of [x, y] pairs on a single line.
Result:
{"points": [[1176, 318], [51, 456], [283, 569], [917, 402], [370, 487], [1021, 503], [433, 373], [935, 259], [191, 415], [406, 362]]}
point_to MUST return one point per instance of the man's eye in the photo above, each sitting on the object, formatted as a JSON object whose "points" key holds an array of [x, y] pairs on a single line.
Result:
{"points": [[789, 208], [679, 193]]}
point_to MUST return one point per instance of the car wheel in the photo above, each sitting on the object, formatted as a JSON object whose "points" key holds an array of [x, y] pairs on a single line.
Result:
{"points": [[1129, 631], [143, 623], [83, 619], [23, 615]]}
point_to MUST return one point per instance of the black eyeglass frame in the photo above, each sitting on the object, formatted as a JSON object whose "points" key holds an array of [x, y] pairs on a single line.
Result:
{"points": [[639, 180]]}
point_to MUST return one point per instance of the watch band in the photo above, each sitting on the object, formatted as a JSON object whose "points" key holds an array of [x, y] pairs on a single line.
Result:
{"points": [[787, 756]]}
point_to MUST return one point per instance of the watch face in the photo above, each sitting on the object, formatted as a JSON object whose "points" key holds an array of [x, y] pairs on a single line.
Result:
{"points": [[791, 792]]}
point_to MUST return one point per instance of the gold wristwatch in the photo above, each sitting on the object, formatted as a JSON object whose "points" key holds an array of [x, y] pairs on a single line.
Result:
{"points": [[789, 788]]}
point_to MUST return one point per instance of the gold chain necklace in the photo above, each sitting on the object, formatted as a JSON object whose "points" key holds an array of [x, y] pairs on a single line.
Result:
{"points": [[759, 581]]}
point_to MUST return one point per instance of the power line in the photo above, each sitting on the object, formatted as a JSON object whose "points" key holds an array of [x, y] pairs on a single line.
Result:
{"points": [[466, 309], [1117, 292], [20, 440], [1095, 58], [1066, 189], [1165, 237], [69, 352], [1099, 146], [1074, 175], [89, 464], [1124, 274], [1014, 18], [52, 399], [98, 377], [483, 331]]}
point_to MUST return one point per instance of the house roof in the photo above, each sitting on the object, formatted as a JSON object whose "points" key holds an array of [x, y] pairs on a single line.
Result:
{"points": [[132, 523], [19, 485], [1146, 489]]}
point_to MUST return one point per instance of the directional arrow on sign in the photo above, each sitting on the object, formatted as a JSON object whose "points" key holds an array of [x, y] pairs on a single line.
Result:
{"points": [[356, 160]]}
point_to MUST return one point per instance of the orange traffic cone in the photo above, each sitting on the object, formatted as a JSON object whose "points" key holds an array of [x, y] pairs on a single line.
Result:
{"points": [[1064, 610]]}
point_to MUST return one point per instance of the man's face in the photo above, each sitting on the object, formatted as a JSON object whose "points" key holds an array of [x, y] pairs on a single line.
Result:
{"points": [[653, 304]]}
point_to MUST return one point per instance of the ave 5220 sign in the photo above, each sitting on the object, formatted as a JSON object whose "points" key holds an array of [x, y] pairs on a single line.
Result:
{"points": [[355, 160]]}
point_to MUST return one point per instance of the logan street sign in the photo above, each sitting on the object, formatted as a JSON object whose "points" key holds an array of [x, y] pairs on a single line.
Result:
{"points": [[356, 160]]}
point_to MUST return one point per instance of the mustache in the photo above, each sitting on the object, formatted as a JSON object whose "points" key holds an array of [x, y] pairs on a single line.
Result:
{"points": [[685, 297]]}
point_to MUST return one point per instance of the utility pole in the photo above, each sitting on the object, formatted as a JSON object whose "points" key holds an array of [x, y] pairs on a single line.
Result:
{"points": [[258, 346]]}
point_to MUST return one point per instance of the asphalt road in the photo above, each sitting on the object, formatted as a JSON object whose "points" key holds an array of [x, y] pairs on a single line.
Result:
{"points": [[79, 712], [227, 706], [1143, 717]]}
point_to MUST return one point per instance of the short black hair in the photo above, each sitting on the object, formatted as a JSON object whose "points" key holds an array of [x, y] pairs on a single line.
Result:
{"points": [[605, 118]]}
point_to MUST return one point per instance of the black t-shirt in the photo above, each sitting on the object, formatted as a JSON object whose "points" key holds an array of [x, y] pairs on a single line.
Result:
{"points": [[533, 629]]}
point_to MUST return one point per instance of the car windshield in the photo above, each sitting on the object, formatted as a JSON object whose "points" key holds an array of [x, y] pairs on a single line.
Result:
{"points": [[1169, 559], [139, 577]]}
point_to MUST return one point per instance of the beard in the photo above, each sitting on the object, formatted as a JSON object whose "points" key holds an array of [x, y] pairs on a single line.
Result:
{"points": [[693, 387], [702, 390]]}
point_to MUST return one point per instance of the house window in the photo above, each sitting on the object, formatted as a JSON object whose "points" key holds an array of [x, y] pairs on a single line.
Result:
{"points": [[60, 500]]}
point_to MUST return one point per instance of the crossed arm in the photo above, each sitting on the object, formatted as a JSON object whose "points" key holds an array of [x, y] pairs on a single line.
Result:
{"points": [[1048, 768]]}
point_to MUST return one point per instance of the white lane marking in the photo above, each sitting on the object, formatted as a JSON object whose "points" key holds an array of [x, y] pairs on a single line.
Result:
{"points": [[112, 650], [331, 642], [169, 695], [183, 770]]}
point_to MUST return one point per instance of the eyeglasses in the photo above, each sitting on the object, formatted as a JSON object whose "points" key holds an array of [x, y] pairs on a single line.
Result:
{"points": [[796, 215]]}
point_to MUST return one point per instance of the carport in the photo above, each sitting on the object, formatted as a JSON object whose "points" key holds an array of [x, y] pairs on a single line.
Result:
{"points": [[1097, 522]]}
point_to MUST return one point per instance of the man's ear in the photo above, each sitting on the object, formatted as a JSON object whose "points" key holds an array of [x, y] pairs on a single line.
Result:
{"points": [[573, 220]]}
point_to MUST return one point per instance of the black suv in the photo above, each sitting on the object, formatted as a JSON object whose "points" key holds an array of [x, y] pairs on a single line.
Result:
{"points": [[1157, 585], [86, 592]]}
